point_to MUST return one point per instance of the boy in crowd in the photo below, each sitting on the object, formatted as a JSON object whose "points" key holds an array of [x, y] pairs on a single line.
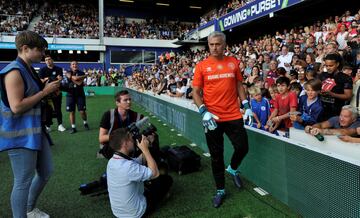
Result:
{"points": [[310, 106], [347, 69], [171, 88], [273, 91], [285, 102], [180, 89], [260, 107], [297, 88]]}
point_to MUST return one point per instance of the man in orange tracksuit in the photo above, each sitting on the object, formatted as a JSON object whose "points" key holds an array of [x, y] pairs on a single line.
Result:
{"points": [[217, 86]]}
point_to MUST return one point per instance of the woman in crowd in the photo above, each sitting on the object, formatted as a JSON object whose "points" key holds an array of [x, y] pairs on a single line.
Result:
{"points": [[310, 61]]}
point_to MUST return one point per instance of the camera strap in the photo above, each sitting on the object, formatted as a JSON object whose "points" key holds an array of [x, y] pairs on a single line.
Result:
{"points": [[122, 155]]}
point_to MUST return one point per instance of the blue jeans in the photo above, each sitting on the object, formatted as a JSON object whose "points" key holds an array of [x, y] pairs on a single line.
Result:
{"points": [[27, 186]]}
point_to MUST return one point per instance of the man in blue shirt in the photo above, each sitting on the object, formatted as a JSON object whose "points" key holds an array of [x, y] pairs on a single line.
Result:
{"points": [[126, 177]]}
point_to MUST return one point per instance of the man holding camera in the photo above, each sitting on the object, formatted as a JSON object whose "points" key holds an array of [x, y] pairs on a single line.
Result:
{"points": [[126, 177], [120, 117], [48, 74], [76, 95]]}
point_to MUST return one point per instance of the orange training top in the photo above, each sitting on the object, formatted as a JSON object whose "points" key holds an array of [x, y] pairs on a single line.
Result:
{"points": [[218, 80]]}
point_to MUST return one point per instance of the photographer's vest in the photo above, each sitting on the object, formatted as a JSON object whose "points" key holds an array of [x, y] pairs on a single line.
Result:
{"points": [[20, 130]]}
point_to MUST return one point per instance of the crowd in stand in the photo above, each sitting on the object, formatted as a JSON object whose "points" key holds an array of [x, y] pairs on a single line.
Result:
{"points": [[315, 68], [98, 77], [228, 7], [68, 20], [147, 29], [73, 20], [81, 21], [16, 15]]}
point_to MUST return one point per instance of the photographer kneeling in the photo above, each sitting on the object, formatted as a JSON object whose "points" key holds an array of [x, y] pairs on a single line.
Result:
{"points": [[126, 177]]}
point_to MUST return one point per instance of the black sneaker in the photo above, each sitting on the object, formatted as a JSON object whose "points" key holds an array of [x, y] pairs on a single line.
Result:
{"points": [[236, 177], [73, 130], [237, 181], [218, 199], [87, 126]]}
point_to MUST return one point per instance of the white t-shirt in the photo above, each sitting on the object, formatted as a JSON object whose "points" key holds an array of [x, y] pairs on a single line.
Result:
{"points": [[182, 90], [282, 59], [317, 36], [341, 39], [125, 185]]}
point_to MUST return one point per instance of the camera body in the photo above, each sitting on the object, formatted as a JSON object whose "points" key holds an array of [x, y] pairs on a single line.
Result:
{"points": [[137, 135]]}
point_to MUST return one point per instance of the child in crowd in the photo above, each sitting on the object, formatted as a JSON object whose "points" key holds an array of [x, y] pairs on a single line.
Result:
{"points": [[310, 106], [180, 90], [347, 69], [285, 102], [257, 82], [273, 91], [265, 93], [297, 88], [293, 75], [310, 74], [260, 107]]}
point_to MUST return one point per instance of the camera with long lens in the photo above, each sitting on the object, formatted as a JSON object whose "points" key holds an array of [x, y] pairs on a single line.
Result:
{"points": [[99, 187], [134, 130], [151, 129]]}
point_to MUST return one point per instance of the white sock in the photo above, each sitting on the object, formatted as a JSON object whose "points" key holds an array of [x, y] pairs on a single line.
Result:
{"points": [[73, 126], [85, 122]]}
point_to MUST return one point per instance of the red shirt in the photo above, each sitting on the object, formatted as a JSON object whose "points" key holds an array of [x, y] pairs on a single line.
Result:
{"points": [[272, 107], [283, 103]]}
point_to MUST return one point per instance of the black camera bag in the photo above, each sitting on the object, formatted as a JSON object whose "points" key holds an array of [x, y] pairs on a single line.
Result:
{"points": [[183, 160]]}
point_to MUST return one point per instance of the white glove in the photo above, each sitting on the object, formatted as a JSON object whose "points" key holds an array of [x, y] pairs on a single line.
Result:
{"points": [[209, 120]]}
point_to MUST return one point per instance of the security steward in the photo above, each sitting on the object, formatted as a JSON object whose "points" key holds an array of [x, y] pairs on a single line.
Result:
{"points": [[76, 95]]}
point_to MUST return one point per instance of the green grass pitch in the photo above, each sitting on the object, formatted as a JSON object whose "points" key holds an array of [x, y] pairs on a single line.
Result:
{"points": [[75, 163]]}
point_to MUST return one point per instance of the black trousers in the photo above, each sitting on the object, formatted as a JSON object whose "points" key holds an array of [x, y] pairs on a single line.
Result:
{"points": [[236, 132], [57, 108], [155, 191]]}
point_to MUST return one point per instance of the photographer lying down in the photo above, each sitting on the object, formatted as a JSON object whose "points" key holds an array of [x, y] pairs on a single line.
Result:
{"points": [[344, 126], [126, 177]]}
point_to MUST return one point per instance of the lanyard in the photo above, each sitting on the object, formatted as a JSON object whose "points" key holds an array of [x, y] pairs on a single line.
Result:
{"points": [[122, 155]]}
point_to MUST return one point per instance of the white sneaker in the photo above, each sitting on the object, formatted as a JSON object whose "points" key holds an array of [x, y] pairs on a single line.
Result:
{"points": [[36, 213], [61, 128], [48, 129]]}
